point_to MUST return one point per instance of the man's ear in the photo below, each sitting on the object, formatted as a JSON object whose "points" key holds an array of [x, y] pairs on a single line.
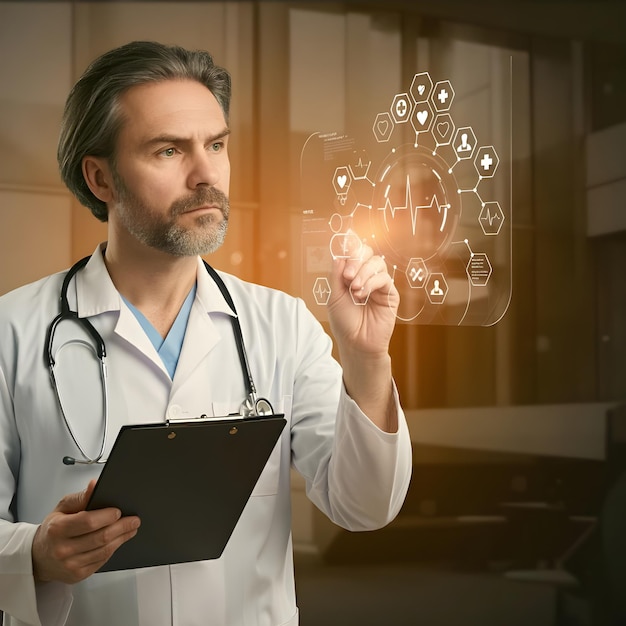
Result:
{"points": [[97, 174]]}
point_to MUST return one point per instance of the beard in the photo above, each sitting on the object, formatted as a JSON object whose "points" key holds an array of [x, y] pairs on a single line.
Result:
{"points": [[164, 233]]}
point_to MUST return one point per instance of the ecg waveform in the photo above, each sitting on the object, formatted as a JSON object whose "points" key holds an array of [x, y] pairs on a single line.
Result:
{"points": [[321, 291], [360, 169], [415, 209], [491, 218]]}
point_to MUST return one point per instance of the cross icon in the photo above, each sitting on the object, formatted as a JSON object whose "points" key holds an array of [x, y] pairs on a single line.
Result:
{"points": [[401, 108], [486, 161], [443, 96]]}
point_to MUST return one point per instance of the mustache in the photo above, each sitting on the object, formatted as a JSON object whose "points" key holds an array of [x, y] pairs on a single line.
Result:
{"points": [[201, 197]]}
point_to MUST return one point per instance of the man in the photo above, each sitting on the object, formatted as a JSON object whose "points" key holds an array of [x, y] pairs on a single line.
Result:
{"points": [[144, 146]]}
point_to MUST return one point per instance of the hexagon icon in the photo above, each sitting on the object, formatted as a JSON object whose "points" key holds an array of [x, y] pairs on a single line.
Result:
{"points": [[360, 298], [345, 245], [479, 269], [464, 142], [421, 87], [442, 96], [321, 291], [416, 273], [383, 127], [422, 118], [342, 180], [360, 166], [491, 218], [401, 108], [436, 288], [486, 161], [443, 129]]}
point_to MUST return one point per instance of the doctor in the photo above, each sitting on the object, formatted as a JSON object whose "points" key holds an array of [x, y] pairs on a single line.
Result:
{"points": [[144, 145]]}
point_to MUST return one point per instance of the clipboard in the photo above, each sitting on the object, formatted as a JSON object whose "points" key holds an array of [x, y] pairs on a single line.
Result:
{"points": [[188, 481]]}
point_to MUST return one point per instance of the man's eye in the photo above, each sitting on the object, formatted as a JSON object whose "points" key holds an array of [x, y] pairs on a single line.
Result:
{"points": [[217, 146], [168, 152]]}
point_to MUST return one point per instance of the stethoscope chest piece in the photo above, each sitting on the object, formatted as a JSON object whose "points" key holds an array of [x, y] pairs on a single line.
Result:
{"points": [[255, 407]]}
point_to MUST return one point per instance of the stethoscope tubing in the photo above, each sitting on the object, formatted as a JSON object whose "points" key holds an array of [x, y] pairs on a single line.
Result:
{"points": [[252, 405]]}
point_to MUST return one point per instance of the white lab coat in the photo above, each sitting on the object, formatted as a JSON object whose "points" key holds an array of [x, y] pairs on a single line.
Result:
{"points": [[355, 473]]}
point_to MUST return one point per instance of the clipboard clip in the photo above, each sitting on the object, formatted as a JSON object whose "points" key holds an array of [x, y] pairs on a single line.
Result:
{"points": [[194, 420], [250, 407]]}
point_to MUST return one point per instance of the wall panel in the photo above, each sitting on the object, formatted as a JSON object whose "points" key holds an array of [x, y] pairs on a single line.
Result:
{"points": [[35, 76], [34, 237]]}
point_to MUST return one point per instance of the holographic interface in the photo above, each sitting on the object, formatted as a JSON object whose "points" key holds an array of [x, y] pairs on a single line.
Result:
{"points": [[427, 194]]}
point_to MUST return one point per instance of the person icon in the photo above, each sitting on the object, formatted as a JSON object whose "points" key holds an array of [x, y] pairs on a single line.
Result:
{"points": [[436, 290], [465, 146]]}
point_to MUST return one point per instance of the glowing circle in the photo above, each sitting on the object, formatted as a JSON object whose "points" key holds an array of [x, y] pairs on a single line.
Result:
{"points": [[415, 210]]}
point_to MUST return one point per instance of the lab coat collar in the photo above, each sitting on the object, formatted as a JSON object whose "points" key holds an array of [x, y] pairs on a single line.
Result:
{"points": [[95, 292], [209, 294]]}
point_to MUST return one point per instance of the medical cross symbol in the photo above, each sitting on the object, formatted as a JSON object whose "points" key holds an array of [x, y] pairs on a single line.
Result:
{"points": [[486, 161], [443, 96], [401, 108]]}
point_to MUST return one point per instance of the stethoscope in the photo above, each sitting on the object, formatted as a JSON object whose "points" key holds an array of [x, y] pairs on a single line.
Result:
{"points": [[252, 406]]}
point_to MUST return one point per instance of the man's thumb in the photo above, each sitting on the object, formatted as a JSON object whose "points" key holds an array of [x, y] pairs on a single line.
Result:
{"points": [[75, 502]]}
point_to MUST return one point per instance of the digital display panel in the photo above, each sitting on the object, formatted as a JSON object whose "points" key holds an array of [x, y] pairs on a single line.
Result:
{"points": [[428, 193]]}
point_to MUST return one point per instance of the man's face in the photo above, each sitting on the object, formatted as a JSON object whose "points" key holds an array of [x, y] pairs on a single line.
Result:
{"points": [[171, 173]]}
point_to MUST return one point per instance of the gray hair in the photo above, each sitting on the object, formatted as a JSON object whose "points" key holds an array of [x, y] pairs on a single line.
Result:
{"points": [[92, 120]]}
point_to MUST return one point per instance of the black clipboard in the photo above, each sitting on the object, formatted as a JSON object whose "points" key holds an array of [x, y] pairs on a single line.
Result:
{"points": [[188, 482]]}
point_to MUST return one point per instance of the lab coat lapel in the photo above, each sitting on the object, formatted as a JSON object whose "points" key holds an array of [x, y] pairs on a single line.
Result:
{"points": [[129, 328], [201, 335], [195, 350], [96, 295]]}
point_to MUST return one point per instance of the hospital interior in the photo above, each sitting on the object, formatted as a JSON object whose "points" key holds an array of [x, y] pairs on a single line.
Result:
{"points": [[517, 504]]}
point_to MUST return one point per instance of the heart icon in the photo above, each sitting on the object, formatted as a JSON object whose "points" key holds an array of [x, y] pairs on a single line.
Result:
{"points": [[421, 89], [341, 180], [443, 128], [422, 116], [382, 127]]}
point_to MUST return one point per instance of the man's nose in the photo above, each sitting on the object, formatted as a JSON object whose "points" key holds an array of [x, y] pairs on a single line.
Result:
{"points": [[204, 169]]}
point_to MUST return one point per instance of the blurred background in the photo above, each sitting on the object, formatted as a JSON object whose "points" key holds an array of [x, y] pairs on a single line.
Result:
{"points": [[516, 502]]}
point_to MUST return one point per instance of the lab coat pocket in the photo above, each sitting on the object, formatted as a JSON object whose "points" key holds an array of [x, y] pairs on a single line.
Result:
{"points": [[268, 482], [267, 485]]}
